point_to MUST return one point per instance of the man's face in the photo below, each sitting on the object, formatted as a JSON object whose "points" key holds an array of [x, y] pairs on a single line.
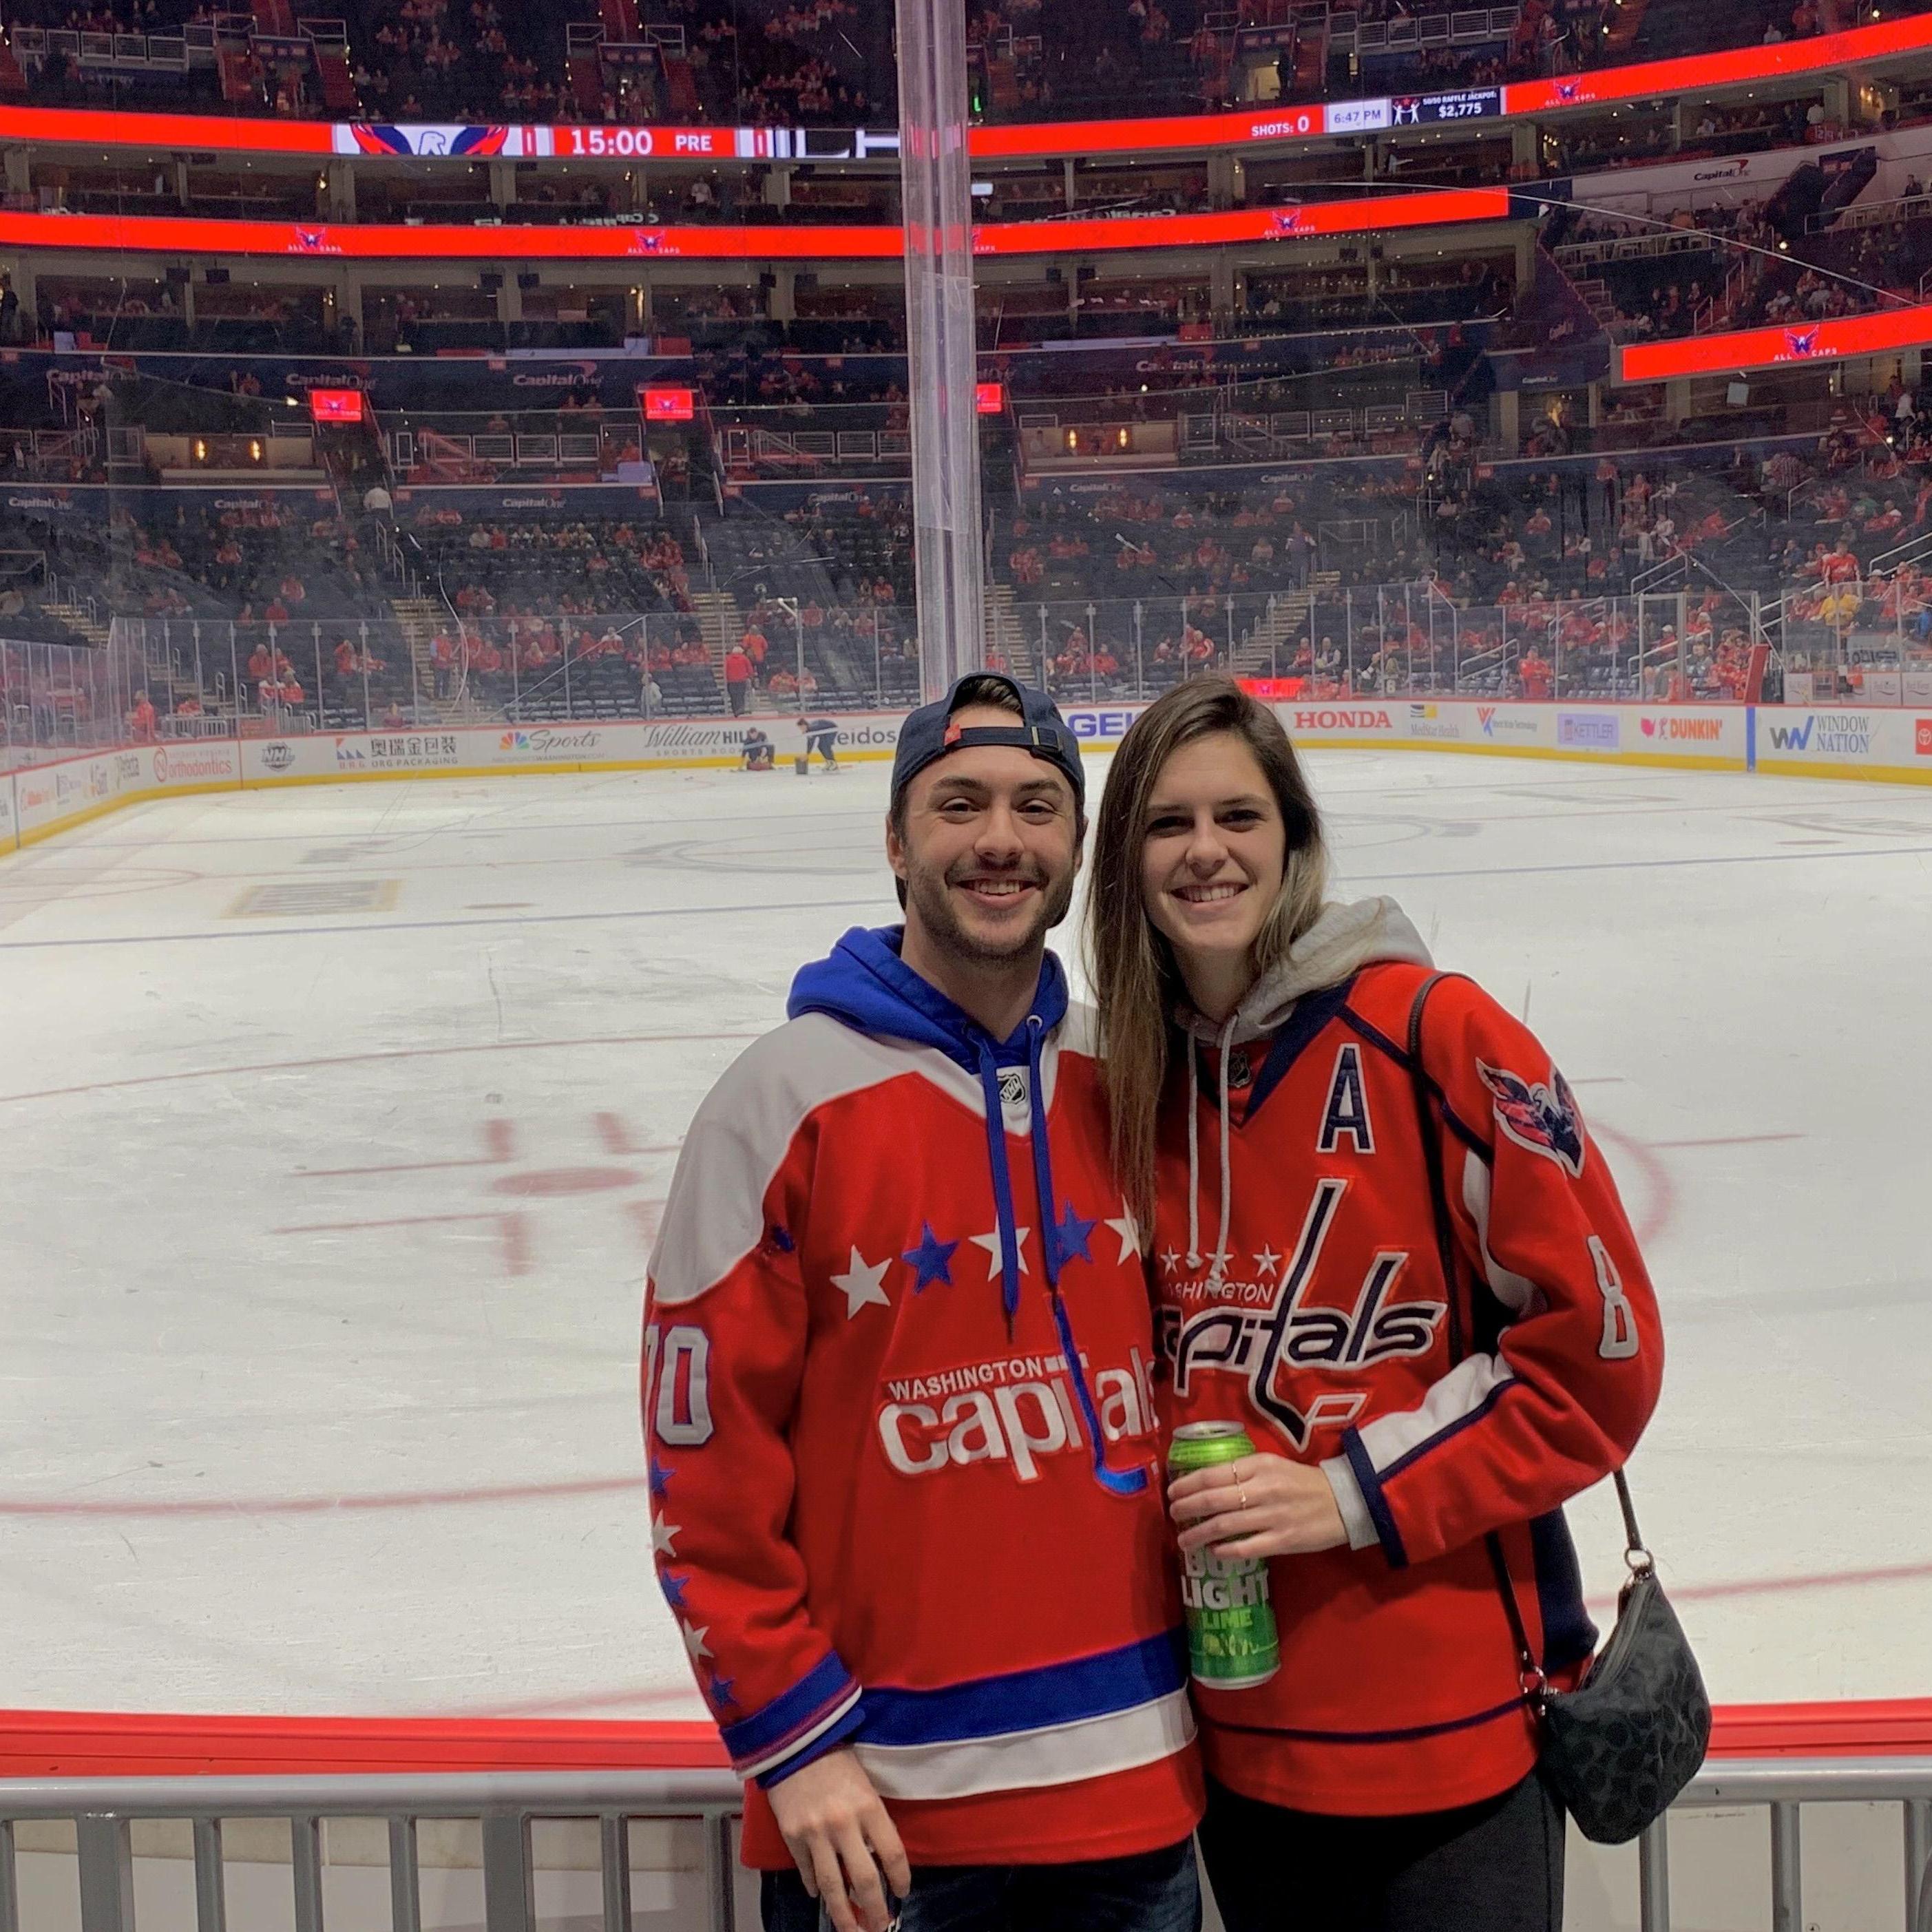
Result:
{"points": [[990, 847]]}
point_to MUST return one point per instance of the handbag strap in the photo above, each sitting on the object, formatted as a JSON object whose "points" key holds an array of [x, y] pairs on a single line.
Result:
{"points": [[1445, 1250], [1635, 1555]]}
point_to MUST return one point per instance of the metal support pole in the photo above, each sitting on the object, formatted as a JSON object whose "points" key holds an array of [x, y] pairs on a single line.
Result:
{"points": [[1918, 1865], [941, 365], [506, 1872], [10, 1890], [1140, 654], [211, 1900], [614, 1840], [1653, 1877], [305, 1847], [106, 1861], [405, 1881], [721, 1898], [1787, 1883]]}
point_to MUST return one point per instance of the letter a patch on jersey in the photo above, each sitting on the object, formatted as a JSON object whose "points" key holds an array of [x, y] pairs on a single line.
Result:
{"points": [[1347, 1111], [1542, 1118]]}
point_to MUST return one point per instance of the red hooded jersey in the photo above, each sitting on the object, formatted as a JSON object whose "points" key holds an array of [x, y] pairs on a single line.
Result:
{"points": [[1438, 1413], [898, 1395]]}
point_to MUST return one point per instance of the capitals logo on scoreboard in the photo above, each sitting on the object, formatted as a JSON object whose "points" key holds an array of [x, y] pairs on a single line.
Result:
{"points": [[1801, 342], [382, 137], [1286, 221]]}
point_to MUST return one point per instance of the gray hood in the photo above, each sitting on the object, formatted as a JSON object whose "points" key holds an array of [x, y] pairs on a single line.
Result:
{"points": [[1344, 938]]}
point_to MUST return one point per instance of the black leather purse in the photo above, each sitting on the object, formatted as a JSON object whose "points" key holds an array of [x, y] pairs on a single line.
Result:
{"points": [[1618, 1749]]}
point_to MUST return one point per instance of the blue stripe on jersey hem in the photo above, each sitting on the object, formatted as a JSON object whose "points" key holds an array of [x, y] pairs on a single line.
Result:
{"points": [[793, 1711], [1370, 1484], [1451, 1430], [828, 1740], [1408, 1734], [1029, 1700]]}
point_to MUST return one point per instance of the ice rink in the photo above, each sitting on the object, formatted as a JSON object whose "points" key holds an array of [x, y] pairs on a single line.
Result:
{"points": [[334, 1122]]}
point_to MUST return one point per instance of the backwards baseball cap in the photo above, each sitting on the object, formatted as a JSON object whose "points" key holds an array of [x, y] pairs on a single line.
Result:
{"points": [[931, 731]]}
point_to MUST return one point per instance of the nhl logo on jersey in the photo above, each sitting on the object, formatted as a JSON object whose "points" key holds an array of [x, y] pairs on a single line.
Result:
{"points": [[1013, 1088], [1542, 1118]]}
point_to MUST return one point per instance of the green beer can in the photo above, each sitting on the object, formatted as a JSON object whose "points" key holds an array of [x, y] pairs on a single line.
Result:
{"points": [[1232, 1644]]}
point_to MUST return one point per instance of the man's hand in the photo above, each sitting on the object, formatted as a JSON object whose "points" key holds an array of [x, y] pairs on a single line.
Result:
{"points": [[837, 1830]]}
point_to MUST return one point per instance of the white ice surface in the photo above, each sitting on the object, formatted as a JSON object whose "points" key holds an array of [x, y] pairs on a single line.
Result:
{"points": [[322, 1235]]}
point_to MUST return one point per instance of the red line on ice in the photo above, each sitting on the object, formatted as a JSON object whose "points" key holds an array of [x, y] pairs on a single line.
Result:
{"points": [[369, 1059]]}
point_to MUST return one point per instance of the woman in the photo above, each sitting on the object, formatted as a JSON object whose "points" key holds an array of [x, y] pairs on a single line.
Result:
{"points": [[1267, 1129]]}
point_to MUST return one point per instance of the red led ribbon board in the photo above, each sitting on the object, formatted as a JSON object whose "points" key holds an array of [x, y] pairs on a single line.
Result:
{"points": [[1824, 53], [1693, 74], [1100, 235], [190, 235], [989, 398], [1768, 348]]}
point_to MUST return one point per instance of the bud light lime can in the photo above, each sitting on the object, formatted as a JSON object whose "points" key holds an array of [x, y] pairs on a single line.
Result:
{"points": [[1232, 1644]]}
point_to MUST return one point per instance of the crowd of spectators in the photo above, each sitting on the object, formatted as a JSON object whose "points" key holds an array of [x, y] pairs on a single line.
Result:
{"points": [[829, 62]]}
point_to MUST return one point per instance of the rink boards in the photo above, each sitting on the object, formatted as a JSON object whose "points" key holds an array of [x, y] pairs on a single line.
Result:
{"points": [[1889, 744]]}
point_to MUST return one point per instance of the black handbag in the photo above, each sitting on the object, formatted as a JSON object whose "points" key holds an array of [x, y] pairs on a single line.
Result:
{"points": [[1618, 1749]]}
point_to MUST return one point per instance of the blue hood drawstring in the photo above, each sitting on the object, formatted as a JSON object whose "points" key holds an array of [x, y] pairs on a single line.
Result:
{"points": [[865, 984]]}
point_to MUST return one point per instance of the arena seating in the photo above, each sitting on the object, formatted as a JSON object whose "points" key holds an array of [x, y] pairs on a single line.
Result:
{"points": [[828, 62]]}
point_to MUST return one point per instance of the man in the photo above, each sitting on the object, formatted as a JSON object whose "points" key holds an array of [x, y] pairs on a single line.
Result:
{"points": [[903, 1469], [759, 753], [737, 679], [821, 734]]}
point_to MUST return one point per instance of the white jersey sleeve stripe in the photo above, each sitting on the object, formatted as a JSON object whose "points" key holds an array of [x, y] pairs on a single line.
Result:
{"points": [[1466, 1392]]}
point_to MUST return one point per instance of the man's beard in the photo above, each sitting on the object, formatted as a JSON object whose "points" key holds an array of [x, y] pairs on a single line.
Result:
{"points": [[929, 891]]}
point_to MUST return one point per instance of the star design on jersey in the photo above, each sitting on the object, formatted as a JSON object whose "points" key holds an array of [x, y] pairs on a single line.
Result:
{"points": [[720, 1689], [991, 1243], [1170, 1260], [861, 1283], [931, 1261], [694, 1639], [1128, 1230], [1071, 1234], [1267, 1261], [664, 1537], [673, 1588], [660, 1475]]}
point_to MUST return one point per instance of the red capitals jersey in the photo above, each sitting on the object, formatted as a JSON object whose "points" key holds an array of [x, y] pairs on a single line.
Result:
{"points": [[1437, 1413], [898, 1397]]}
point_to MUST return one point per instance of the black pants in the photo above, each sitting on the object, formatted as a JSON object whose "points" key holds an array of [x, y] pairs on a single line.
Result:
{"points": [[1151, 1892], [1495, 1867]]}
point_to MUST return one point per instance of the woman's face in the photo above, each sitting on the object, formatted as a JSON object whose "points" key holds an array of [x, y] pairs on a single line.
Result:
{"points": [[1212, 854]]}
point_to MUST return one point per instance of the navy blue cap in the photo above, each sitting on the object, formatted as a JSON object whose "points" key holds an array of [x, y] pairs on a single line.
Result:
{"points": [[930, 732]]}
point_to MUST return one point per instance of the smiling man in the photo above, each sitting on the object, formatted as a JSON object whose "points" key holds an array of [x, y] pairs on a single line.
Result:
{"points": [[897, 1402]]}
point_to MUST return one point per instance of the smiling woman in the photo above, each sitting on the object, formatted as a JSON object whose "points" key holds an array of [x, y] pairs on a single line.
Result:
{"points": [[1427, 1373]]}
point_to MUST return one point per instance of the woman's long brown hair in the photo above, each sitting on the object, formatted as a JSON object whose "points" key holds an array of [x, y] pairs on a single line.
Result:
{"points": [[1136, 982]]}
